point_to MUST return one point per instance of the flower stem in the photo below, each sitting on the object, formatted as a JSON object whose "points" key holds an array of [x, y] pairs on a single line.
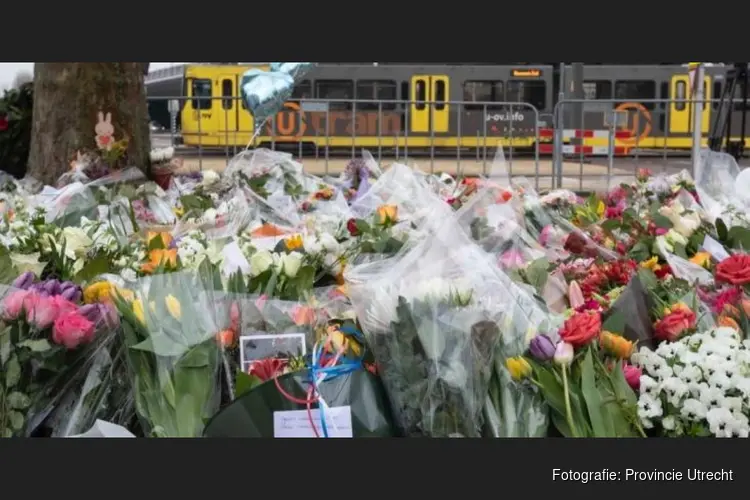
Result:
{"points": [[568, 411]]}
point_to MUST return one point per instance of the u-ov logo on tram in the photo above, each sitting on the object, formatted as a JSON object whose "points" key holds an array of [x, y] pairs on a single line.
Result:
{"points": [[290, 121], [640, 125]]}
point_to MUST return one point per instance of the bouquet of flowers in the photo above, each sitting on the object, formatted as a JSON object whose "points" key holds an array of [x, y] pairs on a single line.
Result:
{"points": [[46, 338], [174, 358], [697, 385]]}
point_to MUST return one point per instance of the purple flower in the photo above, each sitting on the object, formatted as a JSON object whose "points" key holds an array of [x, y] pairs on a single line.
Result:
{"points": [[51, 287], [542, 348], [24, 281], [72, 294]]}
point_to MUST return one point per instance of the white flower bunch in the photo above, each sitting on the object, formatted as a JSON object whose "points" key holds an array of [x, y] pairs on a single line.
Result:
{"points": [[324, 247], [17, 233], [698, 386], [191, 248], [684, 222], [286, 264], [160, 155], [102, 235]]}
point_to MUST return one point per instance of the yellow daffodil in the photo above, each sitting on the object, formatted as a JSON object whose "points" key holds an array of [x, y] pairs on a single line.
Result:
{"points": [[518, 367], [173, 306], [701, 259], [293, 242], [138, 311]]}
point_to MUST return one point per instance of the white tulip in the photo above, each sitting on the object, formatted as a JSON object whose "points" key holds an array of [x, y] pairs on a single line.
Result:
{"points": [[329, 243], [260, 262], [687, 224]]}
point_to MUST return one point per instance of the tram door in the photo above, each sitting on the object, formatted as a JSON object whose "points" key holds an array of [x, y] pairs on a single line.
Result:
{"points": [[681, 111], [226, 122], [429, 117]]}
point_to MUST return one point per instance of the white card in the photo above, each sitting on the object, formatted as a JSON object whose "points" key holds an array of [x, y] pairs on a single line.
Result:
{"points": [[296, 423], [262, 346], [715, 248]]}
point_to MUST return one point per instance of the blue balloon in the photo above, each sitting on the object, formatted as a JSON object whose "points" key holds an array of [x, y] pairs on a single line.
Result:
{"points": [[297, 70], [265, 92]]}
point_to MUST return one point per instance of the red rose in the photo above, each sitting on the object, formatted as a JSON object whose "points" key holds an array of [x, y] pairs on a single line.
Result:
{"points": [[581, 328], [351, 226], [575, 243], [3, 124], [734, 270], [675, 323]]}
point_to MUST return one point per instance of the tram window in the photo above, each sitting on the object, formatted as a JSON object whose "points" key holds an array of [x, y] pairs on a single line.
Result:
{"points": [[531, 92], [404, 93], [716, 97], [680, 91], [227, 92], [303, 90], [481, 91], [597, 89], [421, 92], [439, 96], [376, 90], [335, 89], [636, 90], [201, 92]]}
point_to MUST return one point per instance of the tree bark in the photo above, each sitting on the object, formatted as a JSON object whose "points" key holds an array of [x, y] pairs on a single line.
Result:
{"points": [[67, 100]]}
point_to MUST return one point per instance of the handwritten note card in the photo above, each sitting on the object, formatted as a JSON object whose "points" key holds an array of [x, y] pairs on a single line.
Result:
{"points": [[296, 424], [715, 248]]}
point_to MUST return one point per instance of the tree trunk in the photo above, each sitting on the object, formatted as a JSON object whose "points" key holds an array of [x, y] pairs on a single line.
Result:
{"points": [[68, 98]]}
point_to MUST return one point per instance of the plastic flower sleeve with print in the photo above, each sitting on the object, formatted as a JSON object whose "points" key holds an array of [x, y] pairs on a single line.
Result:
{"points": [[174, 356]]}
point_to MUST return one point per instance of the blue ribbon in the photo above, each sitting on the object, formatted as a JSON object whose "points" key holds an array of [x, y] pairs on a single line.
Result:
{"points": [[344, 367]]}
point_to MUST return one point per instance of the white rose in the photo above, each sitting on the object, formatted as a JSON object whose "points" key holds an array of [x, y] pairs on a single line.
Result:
{"points": [[291, 263], [76, 241], [210, 215], [210, 178], [260, 262], [329, 242], [687, 224], [675, 238]]}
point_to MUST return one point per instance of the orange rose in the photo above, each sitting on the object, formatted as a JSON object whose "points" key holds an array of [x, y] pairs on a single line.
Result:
{"points": [[581, 328], [387, 213], [727, 321], [616, 344], [675, 323]]}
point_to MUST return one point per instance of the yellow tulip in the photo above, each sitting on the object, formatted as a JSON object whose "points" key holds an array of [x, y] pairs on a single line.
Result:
{"points": [[652, 264], [138, 311], [173, 306], [98, 292], [616, 344], [518, 367]]}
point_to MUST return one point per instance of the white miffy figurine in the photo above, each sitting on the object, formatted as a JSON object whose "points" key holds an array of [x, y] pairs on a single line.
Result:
{"points": [[104, 131]]}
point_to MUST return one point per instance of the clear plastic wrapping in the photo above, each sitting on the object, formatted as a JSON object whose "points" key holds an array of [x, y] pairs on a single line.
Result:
{"points": [[434, 317], [170, 329]]}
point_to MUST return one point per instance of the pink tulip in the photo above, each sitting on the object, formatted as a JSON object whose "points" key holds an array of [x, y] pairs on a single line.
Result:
{"points": [[575, 295], [632, 376], [511, 259], [660, 231], [72, 329], [13, 305], [545, 235]]}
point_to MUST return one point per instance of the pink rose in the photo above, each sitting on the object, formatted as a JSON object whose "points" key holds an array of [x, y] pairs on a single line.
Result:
{"points": [[511, 259], [660, 231], [72, 329], [13, 305], [545, 234], [43, 311]]}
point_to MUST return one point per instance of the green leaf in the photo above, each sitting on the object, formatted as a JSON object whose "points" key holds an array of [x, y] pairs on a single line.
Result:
{"points": [[680, 250], [12, 372], [552, 388], [615, 323], [362, 226], [537, 274], [93, 268], [721, 231], [16, 420], [739, 238], [623, 391], [599, 423], [610, 225], [648, 278], [244, 383], [661, 221], [8, 273], [39, 345], [18, 400]]}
